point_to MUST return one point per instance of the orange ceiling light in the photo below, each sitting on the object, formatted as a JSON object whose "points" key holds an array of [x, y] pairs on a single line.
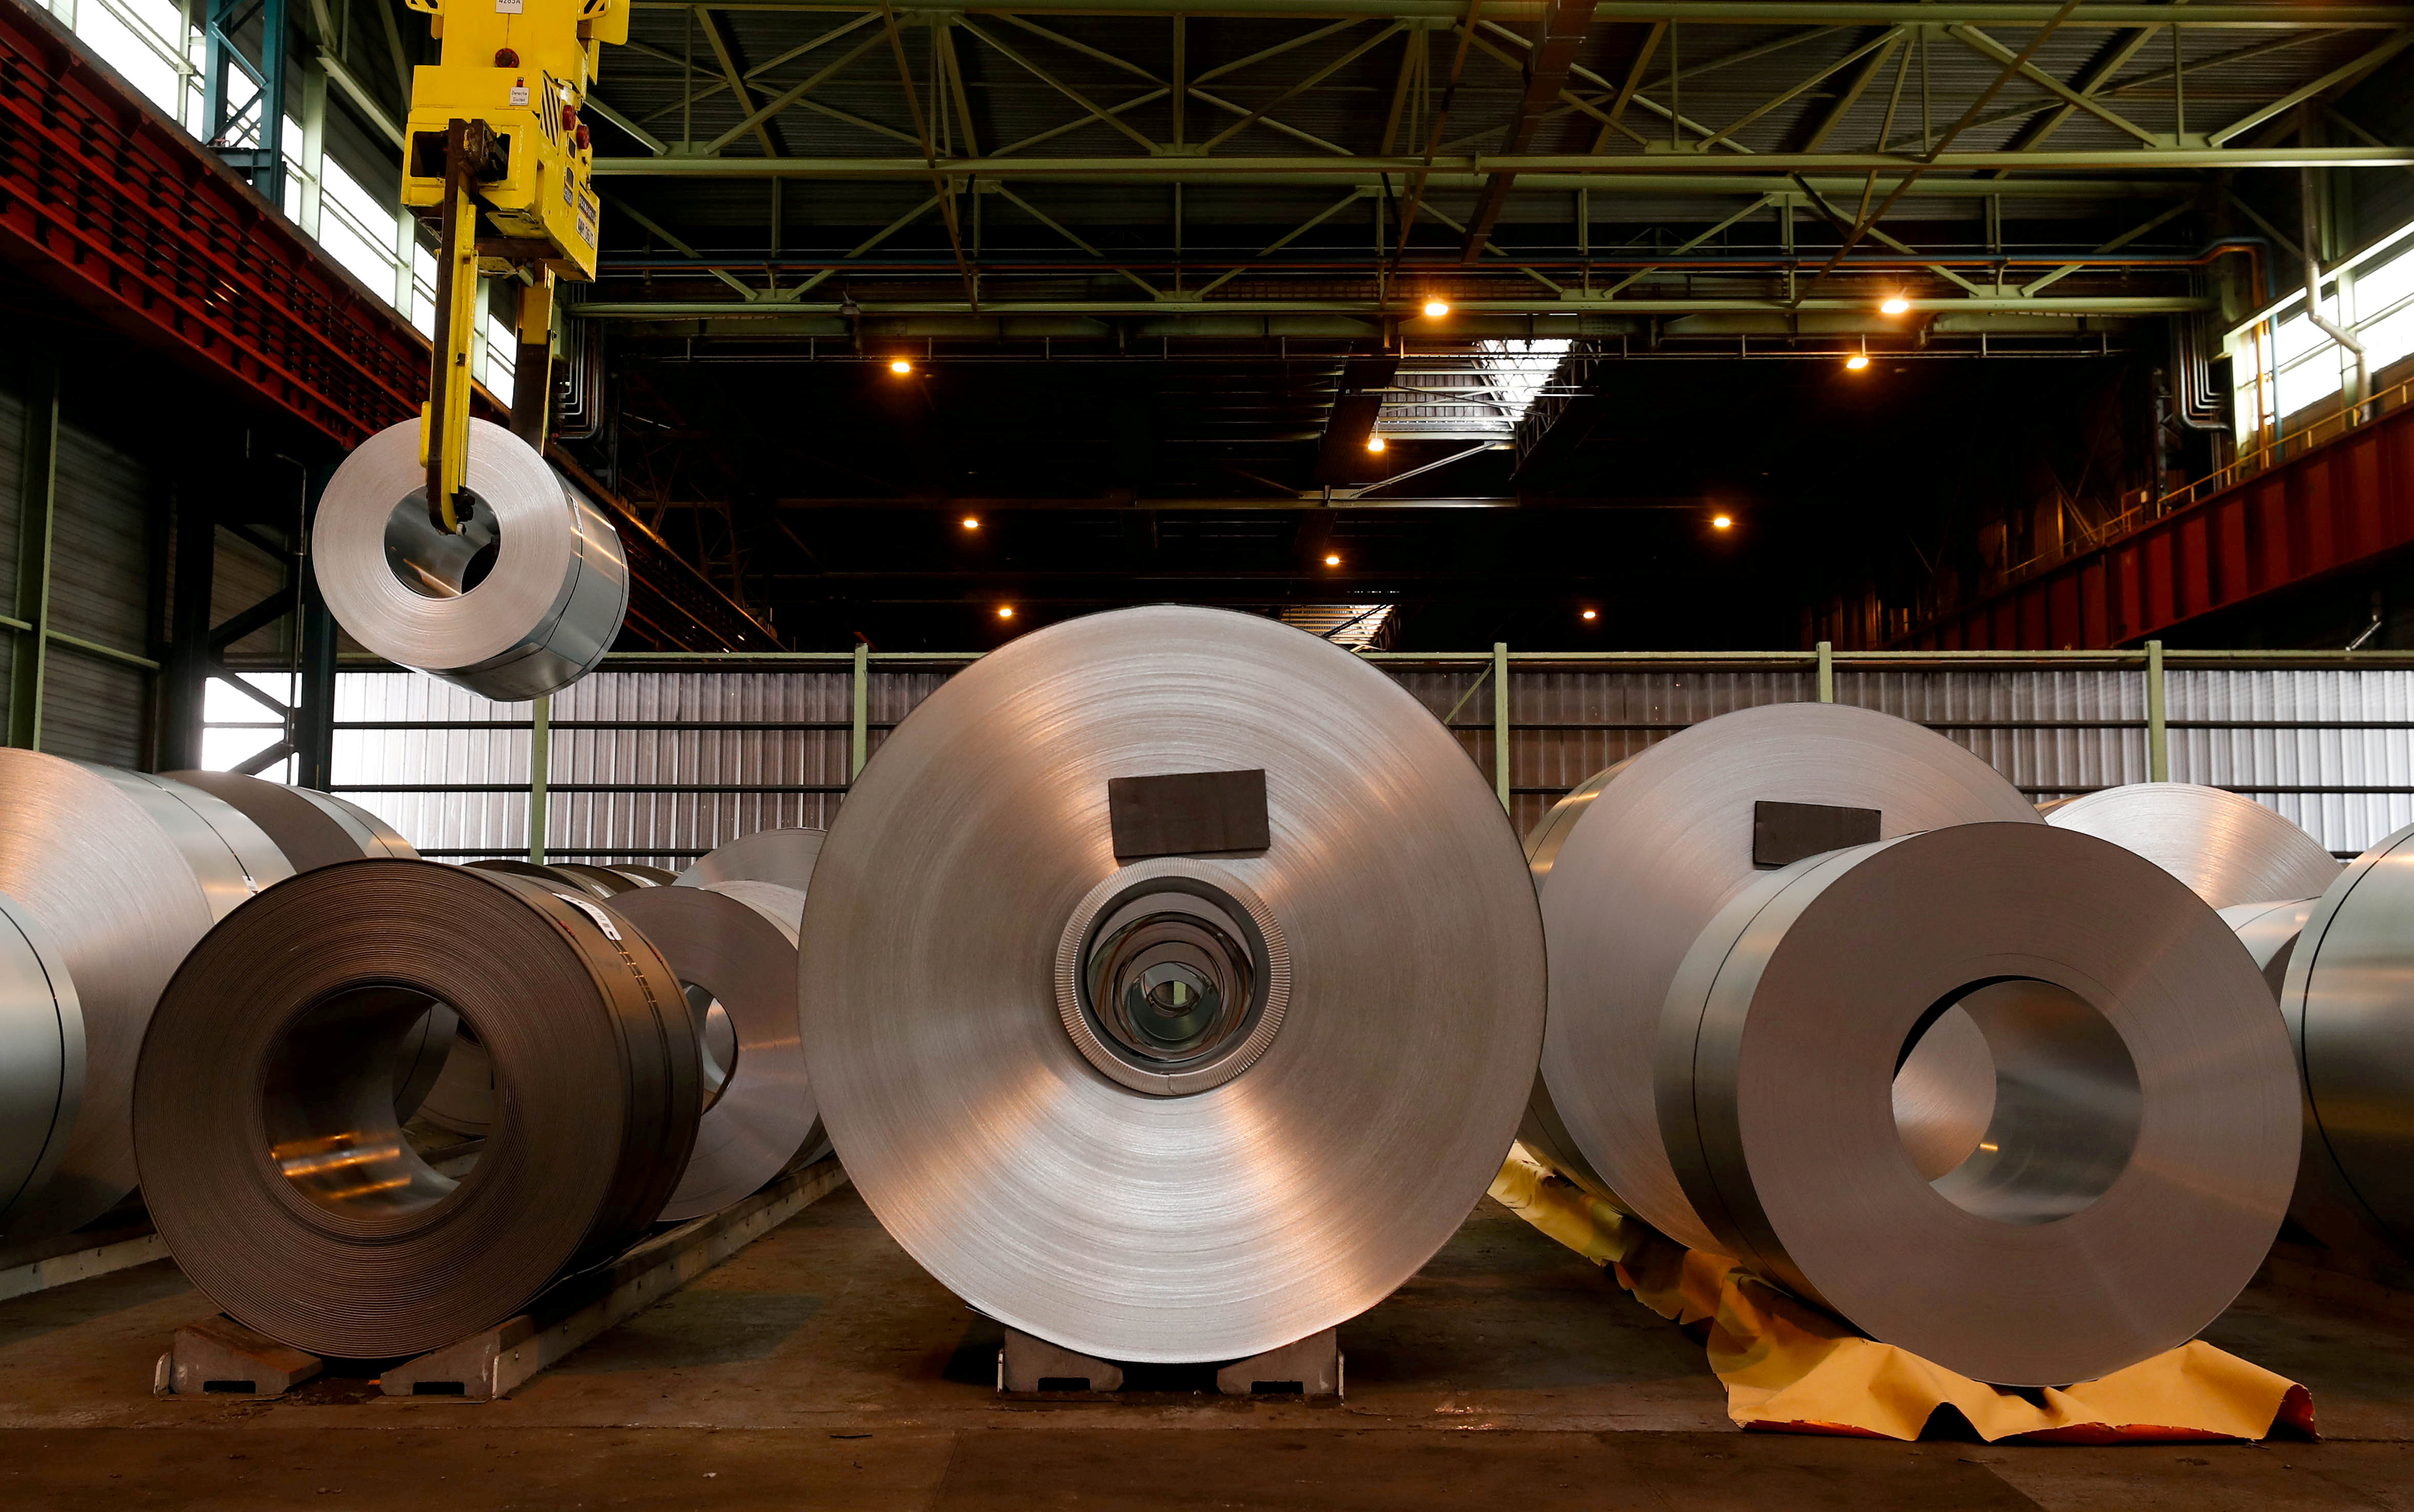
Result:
{"points": [[1436, 307], [1375, 443], [899, 366]]}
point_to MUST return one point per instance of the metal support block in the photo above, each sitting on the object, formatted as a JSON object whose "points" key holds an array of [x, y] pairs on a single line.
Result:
{"points": [[222, 1358], [1309, 1368], [489, 1364], [1028, 1364]]}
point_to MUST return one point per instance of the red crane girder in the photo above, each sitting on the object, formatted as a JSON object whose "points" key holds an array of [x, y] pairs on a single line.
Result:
{"points": [[106, 201], [2327, 509]]}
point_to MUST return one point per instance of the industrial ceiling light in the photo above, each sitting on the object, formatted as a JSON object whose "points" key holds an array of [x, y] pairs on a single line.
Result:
{"points": [[1436, 307], [1592, 614], [971, 522], [1721, 522], [1895, 305], [1332, 559], [1860, 359], [1005, 611], [899, 366], [1375, 443], [848, 308]]}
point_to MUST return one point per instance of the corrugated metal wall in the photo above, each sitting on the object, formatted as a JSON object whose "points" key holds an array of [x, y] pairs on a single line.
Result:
{"points": [[660, 766], [102, 552]]}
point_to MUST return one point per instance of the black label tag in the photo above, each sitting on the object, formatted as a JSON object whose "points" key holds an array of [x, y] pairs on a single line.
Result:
{"points": [[1784, 832], [1188, 813]]}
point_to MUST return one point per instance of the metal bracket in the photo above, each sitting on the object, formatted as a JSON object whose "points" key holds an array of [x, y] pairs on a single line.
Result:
{"points": [[1309, 1368]]}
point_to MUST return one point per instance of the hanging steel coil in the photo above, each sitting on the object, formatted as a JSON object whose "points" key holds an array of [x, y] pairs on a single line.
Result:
{"points": [[2348, 1001], [1171, 985], [271, 1154], [2137, 1143], [312, 829], [524, 601], [122, 872], [41, 1059], [785, 856], [736, 965], [1633, 863], [2230, 850]]}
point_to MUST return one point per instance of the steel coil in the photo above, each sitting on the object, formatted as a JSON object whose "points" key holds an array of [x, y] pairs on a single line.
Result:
{"points": [[2348, 1001], [1185, 1107], [2270, 932], [648, 875], [312, 829], [270, 1152], [785, 856], [1634, 862], [2138, 1139], [523, 601], [41, 1059], [736, 965], [122, 872], [2230, 850]]}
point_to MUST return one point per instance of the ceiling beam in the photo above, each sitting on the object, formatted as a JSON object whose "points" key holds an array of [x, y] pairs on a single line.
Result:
{"points": [[1734, 12], [1560, 32], [1542, 303], [1325, 170]]}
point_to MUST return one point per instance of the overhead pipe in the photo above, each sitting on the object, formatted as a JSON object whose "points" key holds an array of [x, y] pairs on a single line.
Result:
{"points": [[2314, 303]]}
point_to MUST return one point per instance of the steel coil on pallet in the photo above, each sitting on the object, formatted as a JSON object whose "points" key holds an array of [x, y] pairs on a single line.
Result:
{"points": [[784, 856], [122, 872], [312, 829], [2227, 849], [523, 601], [2129, 1160], [2348, 1001], [1171, 984], [736, 964], [41, 1059], [270, 1152], [1634, 862]]}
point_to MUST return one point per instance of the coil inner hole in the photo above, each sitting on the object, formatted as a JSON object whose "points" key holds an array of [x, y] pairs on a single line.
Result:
{"points": [[716, 1039], [2017, 1101], [1168, 981], [432, 563], [328, 1103]]}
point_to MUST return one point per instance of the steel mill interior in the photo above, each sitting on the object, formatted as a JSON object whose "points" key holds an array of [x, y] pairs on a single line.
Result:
{"points": [[1304, 754]]}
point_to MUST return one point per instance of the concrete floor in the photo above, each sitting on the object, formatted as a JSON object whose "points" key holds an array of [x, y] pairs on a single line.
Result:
{"points": [[821, 1367]]}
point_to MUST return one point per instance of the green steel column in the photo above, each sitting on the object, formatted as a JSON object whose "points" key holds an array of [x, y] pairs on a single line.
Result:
{"points": [[862, 712], [37, 482], [1501, 721], [540, 768], [1827, 671], [2158, 735]]}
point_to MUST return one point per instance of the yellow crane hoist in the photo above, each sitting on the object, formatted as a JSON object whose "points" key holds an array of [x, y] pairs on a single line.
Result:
{"points": [[500, 158]]}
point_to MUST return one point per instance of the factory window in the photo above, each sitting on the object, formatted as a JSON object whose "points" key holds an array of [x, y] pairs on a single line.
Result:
{"points": [[237, 728], [1519, 370], [2285, 365], [137, 38]]}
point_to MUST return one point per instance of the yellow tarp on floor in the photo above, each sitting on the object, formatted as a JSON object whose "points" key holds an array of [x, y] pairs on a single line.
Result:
{"points": [[1789, 1367]]}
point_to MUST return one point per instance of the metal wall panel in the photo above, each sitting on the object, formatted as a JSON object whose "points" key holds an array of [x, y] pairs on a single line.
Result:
{"points": [[661, 766]]}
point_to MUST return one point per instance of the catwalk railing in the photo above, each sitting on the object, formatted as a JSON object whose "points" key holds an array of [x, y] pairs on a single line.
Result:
{"points": [[658, 758]]}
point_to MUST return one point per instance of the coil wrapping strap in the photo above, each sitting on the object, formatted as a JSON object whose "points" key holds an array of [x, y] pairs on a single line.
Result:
{"points": [[265, 1130]]}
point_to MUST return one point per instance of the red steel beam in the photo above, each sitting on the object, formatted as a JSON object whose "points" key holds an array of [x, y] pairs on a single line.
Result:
{"points": [[2329, 508]]}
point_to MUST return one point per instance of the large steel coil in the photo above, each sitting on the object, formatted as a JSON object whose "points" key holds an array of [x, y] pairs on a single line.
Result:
{"points": [[264, 1119], [1219, 1092], [1637, 859], [523, 601], [2129, 1160], [2348, 1001], [122, 872], [2227, 849], [736, 965], [312, 829], [41, 1059], [785, 856]]}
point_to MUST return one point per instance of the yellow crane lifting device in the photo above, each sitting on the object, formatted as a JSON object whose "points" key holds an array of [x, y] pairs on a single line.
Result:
{"points": [[498, 155]]}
